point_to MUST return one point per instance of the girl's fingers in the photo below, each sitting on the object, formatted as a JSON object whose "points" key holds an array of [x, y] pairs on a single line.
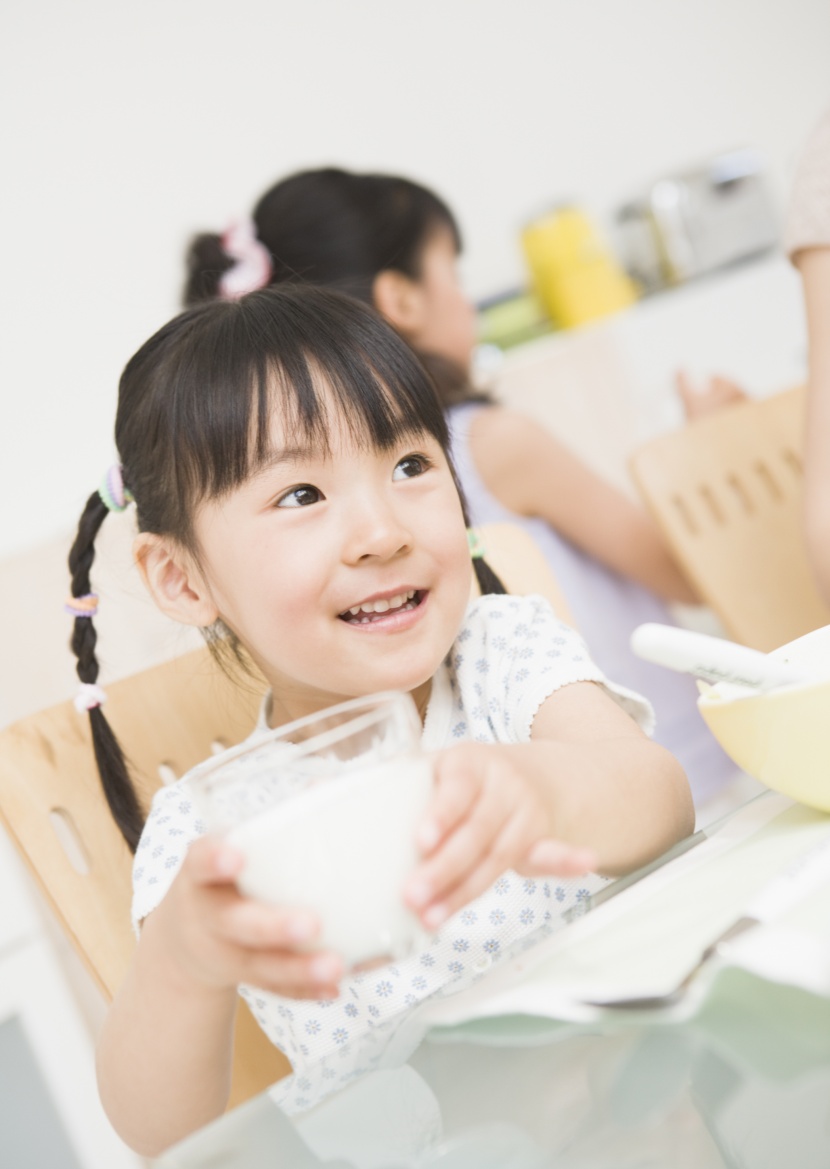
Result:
{"points": [[727, 391], [463, 849], [210, 860], [714, 395], [545, 858], [555, 858], [256, 926], [683, 385], [508, 846], [456, 790], [464, 868], [471, 859], [313, 976]]}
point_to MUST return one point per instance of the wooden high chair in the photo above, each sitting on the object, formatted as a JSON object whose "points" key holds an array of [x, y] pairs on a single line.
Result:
{"points": [[168, 718], [727, 492]]}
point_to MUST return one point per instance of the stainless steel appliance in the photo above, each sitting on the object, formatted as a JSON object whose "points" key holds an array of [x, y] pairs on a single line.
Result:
{"points": [[699, 220]]}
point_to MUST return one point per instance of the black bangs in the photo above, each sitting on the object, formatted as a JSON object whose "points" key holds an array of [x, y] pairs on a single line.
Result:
{"points": [[196, 401], [344, 360]]}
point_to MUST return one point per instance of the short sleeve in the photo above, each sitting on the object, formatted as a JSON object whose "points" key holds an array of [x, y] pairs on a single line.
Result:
{"points": [[511, 655], [172, 826]]}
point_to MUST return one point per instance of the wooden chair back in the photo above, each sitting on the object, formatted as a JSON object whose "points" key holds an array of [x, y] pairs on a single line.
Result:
{"points": [[522, 568], [168, 719], [727, 493]]}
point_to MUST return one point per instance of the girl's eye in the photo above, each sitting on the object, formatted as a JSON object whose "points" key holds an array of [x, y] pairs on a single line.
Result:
{"points": [[411, 466], [300, 496]]}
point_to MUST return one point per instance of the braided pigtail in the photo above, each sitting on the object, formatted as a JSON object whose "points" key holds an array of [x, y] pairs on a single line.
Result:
{"points": [[112, 766]]}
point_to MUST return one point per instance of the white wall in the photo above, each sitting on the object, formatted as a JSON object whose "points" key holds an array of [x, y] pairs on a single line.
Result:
{"points": [[132, 125]]}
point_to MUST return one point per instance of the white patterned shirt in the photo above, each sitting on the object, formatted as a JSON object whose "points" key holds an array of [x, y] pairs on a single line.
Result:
{"points": [[509, 656]]}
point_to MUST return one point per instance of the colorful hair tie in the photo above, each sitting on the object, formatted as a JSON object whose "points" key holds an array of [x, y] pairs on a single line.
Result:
{"points": [[115, 495], [476, 544], [252, 261], [88, 697], [85, 606]]}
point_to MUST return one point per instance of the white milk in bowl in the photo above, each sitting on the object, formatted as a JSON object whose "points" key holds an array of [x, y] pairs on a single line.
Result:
{"points": [[344, 848]]}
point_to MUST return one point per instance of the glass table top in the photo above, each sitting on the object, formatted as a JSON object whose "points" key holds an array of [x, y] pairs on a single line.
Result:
{"points": [[743, 1080]]}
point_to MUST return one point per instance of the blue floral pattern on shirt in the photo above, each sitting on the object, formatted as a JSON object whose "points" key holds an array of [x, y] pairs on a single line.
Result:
{"points": [[516, 653]]}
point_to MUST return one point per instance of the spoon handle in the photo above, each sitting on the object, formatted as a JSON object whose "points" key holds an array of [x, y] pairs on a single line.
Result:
{"points": [[711, 658]]}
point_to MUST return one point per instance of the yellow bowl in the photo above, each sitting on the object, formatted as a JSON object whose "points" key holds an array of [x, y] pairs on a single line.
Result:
{"points": [[781, 737]]}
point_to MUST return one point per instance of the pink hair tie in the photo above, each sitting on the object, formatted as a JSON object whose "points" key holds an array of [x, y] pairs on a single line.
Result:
{"points": [[252, 261], [88, 697]]}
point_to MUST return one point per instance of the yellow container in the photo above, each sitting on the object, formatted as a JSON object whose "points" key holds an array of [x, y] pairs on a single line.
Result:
{"points": [[574, 275], [781, 737]]}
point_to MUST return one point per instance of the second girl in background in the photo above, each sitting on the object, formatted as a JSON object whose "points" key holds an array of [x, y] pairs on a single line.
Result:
{"points": [[394, 244]]}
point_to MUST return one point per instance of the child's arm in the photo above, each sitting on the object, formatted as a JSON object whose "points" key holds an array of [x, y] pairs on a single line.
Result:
{"points": [[589, 780], [164, 1055], [814, 266], [534, 474]]}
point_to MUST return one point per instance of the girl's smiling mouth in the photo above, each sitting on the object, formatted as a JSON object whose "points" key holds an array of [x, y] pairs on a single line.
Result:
{"points": [[384, 610]]}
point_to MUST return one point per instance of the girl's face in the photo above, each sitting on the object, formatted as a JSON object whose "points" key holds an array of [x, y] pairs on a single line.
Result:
{"points": [[446, 322], [342, 573]]}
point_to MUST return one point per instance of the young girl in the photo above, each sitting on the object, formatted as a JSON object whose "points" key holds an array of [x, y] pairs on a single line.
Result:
{"points": [[394, 244], [288, 459]]}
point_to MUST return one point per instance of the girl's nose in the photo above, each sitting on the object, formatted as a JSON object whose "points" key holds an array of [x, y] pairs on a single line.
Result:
{"points": [[375, 530]]}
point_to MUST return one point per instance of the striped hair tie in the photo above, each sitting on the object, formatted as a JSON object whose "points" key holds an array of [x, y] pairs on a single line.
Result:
{"points": [[115, 495], [85, 606]]}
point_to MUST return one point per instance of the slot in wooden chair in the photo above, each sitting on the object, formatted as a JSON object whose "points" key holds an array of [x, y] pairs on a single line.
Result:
{"points": [[168, 718], [727, 493]]}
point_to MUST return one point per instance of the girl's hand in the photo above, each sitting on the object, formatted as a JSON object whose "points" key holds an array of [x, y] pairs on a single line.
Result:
{"points": [[486, 817], [698, 401], [216, 937]]}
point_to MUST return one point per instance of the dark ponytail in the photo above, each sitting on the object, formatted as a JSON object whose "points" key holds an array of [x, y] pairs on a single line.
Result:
{"points": [[488, 581], [206, 262], [330, 227], [340, 229], [112, 766]]}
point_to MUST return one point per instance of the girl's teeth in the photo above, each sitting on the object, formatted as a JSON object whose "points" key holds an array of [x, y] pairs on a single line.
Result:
{"points": [[382, 606]]}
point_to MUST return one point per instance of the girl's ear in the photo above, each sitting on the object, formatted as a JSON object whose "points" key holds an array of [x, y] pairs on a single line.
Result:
{"points": [[400, 299], [173, 580]]}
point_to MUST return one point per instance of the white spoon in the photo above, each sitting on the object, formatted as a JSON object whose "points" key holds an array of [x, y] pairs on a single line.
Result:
{"points": [[713, 658]]}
